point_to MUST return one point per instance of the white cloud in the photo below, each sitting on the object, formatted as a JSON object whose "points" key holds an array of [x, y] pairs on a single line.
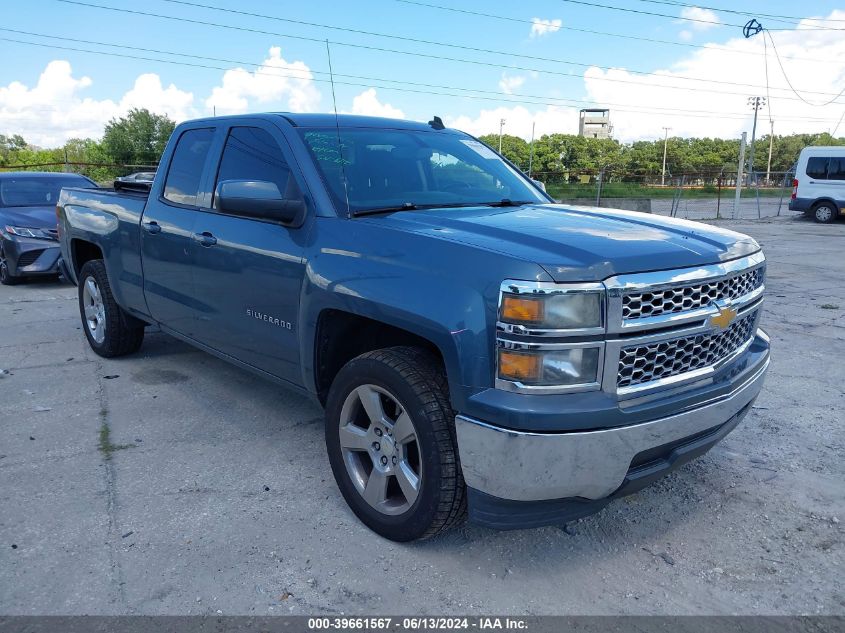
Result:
{"points": [[730, 71], [518, 121], [685, 35], [509, 83], [702, 19], [55, 109], [540, 27], [368, 104], [276, 81]]}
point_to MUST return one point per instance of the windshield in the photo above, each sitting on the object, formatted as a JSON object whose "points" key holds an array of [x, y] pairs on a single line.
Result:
{"points": [[40, 191], [387, 169]]}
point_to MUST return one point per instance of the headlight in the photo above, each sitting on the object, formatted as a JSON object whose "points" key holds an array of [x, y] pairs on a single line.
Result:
{"points": [[22, 231], [550, 337], [567, 309], [566, 367]]}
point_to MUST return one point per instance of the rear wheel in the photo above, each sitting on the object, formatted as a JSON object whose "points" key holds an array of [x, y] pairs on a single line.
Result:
{"points": [[825, 212], [390, 435], [110, 331]]}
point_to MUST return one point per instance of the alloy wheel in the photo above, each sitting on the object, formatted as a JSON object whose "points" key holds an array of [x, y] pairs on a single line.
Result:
{"points": [[380, 449], [95, 309]]}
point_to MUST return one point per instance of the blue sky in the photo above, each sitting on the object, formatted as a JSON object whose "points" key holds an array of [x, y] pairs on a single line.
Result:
{"points": [[85, 88]]}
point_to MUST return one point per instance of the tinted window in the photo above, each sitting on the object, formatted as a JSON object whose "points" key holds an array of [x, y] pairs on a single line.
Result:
{"points": [[185, 173], [386, 168], [836, 169], [252, 154], [37, 191], [817, 167]]}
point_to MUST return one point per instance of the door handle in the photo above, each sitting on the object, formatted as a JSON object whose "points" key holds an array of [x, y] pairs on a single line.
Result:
{"points": [[205, 238], [152, 227]]}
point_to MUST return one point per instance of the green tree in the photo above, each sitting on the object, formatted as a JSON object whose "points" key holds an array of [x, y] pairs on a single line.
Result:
{"points": [[138, 138], [514, 148]]}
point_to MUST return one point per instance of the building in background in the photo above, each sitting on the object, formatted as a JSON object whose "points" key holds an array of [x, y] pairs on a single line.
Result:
{"points": [[595, 123]]}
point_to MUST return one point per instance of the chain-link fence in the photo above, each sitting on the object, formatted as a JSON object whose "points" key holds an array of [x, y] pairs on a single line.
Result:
{"points": [[697, 196]]}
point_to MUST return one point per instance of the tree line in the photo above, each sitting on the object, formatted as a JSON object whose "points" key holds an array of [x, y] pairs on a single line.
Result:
{"points": [[558, 157], [137, 139]]}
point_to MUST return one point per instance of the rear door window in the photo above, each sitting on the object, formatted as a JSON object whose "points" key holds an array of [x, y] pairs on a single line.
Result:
{"points": [[251, 153], [836, 169], [185, 174], [817, 167]]}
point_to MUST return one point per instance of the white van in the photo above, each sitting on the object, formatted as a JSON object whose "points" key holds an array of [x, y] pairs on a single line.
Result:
{"points": [[819, 185]]}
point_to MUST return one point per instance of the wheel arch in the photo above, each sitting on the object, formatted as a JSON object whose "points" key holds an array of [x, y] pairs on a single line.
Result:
{"points": [[341, 335]]}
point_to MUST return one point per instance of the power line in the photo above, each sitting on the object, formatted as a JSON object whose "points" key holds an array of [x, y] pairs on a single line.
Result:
{"points": [[790, 19], [566, 27], [391, 50], [650, 13], [500, 97], [676, 17], [785, 76], [415, 40]]}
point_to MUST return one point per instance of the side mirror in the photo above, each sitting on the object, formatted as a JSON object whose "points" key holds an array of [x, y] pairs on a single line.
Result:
{"points": [[259, 199]]}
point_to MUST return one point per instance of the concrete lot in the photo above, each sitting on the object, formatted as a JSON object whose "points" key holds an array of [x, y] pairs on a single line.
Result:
{"points": [[171, 483]]}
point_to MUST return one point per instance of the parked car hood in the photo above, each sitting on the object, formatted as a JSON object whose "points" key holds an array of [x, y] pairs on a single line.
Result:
{"points": [[580, 243], [30, 217]]}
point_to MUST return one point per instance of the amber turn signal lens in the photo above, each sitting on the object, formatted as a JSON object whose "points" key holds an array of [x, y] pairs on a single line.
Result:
{"points": [[519, 366], [516, 309]]}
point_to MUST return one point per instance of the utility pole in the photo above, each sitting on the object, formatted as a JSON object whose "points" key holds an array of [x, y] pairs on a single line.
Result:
{"points": [[665, 145], [740, 165], [756, 103], [531, 149], [501, 125], [771, 143]]}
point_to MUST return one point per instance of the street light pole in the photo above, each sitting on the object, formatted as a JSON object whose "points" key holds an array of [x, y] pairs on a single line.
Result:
{"points": [[531, 149], [501, 125], [665, 144], [756, 103], [771, 143]]}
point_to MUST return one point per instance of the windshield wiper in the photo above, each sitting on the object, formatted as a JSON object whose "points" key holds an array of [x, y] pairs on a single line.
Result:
{"points": [[505, 202], [405, 206]]}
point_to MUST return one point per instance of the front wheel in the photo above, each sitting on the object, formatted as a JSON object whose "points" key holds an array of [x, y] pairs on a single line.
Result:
{"points": [[390, 435], [110, 331], [6, 277], [825, 212]]}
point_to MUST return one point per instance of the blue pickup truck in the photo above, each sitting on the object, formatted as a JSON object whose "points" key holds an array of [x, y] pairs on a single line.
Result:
{"points": [[477, 348]]}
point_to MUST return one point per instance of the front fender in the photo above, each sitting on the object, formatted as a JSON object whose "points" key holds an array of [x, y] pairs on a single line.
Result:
{"points": [[442, 291]]}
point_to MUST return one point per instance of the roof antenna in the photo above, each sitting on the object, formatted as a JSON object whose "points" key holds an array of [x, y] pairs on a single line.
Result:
{"points": [[337, 129], [437, 123]]}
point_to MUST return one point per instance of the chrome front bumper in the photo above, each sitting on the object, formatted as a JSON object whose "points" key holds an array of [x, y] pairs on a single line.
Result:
{"points": [[522, 466]]}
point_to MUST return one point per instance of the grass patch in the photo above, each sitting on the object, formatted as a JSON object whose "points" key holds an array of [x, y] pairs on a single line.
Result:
{"points": [[105, 445], [570, 191]]}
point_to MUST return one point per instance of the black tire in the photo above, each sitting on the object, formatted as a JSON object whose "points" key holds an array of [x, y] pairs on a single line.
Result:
{"points": [[6, 277], [123, 333], [825, 212], [417, 380]]}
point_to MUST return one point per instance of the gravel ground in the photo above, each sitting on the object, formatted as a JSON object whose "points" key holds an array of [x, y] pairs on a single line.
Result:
{"points": [[172, 483]]}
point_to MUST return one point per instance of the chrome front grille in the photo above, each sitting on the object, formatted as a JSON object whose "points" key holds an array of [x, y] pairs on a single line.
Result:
{"points": [[685, 335], [644, 363], [682, 298]]}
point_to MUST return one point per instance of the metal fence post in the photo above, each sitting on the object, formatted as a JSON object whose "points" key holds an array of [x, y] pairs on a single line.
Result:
{"points": [[719, 197], [739, 174], [598, 191]]}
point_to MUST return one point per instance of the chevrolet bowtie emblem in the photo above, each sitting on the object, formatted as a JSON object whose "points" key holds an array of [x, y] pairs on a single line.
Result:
{"points": [[724, 318]]}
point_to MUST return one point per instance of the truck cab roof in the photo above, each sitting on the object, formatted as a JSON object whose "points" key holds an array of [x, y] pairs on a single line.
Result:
{"points": [[322, 120]]}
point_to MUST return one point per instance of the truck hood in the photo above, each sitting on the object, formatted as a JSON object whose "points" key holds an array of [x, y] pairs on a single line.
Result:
{"points": [[29, 217], [580, 243]]}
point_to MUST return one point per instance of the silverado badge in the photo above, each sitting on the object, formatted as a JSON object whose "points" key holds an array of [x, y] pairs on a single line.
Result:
{"points": [[724, 318]]}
